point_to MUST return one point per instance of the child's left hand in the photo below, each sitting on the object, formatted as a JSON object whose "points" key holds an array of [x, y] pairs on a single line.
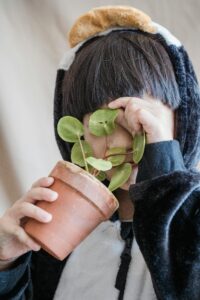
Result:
{"points": [[156, 118]]}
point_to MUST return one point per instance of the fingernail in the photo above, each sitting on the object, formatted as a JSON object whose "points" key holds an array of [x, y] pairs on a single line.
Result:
{"points": [[47, 217], [53, 195], [37, 247], [50, 179]]}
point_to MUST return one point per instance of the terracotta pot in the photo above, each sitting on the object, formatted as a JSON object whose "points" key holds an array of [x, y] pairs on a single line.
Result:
{"points": [[83, 203]]}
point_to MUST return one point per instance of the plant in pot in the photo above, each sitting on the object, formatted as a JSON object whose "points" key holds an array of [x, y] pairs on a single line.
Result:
{"points": [[84, 201]]}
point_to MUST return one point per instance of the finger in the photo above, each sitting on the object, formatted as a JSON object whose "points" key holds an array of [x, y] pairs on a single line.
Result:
{"points": [[41, 193], [147, 102], [23, 237], [44, 181], [131, 115], [120, 102], [148, 121], [121, 120], [128, 119], [123, 101], [26, 209]]}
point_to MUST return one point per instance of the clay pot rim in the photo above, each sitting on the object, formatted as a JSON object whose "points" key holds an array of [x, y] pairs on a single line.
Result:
{"points": [[77, 169]]}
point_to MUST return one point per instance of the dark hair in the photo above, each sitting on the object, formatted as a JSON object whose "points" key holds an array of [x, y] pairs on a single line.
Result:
{"points": [[122, 63]]}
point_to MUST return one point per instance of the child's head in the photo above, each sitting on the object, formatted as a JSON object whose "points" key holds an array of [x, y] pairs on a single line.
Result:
{"points": [[128, 62], [122, 63]]}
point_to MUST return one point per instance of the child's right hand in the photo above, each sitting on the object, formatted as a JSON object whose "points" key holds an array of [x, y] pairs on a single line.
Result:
{"points": [[14, 241]]}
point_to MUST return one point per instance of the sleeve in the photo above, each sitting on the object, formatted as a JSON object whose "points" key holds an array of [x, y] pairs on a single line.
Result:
{"points": [[34, 276], [15, 283], [166, 221]]}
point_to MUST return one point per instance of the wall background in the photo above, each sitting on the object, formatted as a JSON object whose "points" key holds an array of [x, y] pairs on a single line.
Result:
{"points": [[33, 40]]}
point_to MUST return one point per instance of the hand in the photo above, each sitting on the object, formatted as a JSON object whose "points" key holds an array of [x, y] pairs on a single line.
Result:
{"points": [[14, 241], [148, 114]]}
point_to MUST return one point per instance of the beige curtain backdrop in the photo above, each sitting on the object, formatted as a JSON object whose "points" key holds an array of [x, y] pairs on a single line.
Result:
{"points": [[33, 40]]}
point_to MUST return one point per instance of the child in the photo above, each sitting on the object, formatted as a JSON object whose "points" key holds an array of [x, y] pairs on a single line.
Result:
{"points": [[119, 55]]}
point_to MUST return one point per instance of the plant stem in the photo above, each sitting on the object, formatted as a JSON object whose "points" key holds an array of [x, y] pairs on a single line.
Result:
{"points": [[86, 166], [96, 172]]}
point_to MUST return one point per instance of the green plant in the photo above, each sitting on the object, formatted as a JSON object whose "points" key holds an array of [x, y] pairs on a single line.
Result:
{"points": [[101, 122]]}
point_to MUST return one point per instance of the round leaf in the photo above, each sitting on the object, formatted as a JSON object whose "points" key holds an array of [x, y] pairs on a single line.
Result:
{"points": [[77, 155], [138, 146], [116, 159], [70, 129], [99, 163], [102, 121], [121, 175]]}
